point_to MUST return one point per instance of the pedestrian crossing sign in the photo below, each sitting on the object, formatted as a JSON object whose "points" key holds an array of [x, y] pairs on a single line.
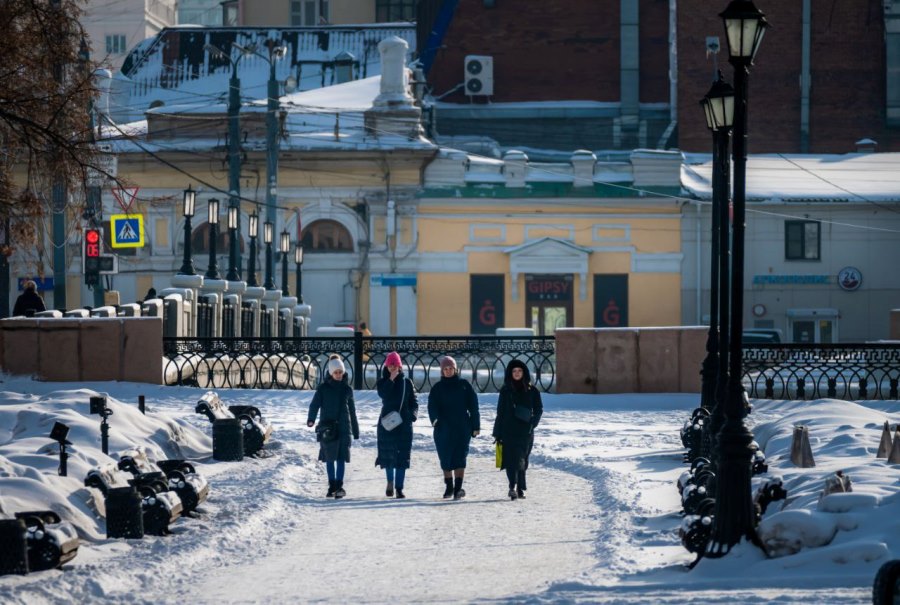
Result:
{"points": [[127, 230]]}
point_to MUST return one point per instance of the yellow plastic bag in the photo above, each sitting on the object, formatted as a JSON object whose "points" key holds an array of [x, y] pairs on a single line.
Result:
{"points": [[498, 455]]}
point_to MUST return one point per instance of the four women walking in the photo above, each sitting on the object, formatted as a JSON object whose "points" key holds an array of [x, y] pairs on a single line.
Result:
{"points": [[453, 411], [399, 409], [334, 399], [519, 410]]}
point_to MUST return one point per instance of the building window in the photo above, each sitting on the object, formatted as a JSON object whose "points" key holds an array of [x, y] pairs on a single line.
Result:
{"points": [[230, 13], [327, 236], [387, 11], [802, 240], [309, 13], [115, 45], [200, 240]]}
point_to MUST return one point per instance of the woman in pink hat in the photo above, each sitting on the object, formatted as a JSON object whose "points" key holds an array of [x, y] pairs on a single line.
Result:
{"points": [[399, 409]]}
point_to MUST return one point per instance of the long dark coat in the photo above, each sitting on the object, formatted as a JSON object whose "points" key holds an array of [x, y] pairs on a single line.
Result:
{"points": [[334, 398], [453, 410], [29, 300], [516, 435], [394, 447]]}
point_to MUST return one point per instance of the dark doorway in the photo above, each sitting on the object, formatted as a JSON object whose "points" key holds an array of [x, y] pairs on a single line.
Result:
{"points": [[611, 301], [548, 303]]}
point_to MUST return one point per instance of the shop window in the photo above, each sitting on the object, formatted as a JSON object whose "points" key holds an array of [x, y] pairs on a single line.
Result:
{"points": [[388, 11]]}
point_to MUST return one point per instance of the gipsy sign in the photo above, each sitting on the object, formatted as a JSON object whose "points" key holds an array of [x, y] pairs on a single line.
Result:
{"points": [[548, 287]]}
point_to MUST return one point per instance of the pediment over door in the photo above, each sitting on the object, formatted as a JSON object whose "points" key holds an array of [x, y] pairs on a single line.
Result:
{"points": [[548, 255]]}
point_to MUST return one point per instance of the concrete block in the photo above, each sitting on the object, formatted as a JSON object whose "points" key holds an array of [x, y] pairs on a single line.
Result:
{"points": [[801, 451], [617, 365], [885, 445], [142, 350], [58, 346], [576, 370], [658, 360], [20, 346], [100, 344]]}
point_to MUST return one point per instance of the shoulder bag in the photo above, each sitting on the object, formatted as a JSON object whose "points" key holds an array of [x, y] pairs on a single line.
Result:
{"points": [[392, 420]]}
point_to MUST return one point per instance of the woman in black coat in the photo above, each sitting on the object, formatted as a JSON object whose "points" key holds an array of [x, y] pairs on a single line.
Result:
{"points": [[519, 410], [453, 410], [334, 398], [395, 446]]}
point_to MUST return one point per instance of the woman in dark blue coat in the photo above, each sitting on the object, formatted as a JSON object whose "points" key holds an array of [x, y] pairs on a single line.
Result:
{"points": [[519, 410], [453, 410], [334, 399], [395, 446]]}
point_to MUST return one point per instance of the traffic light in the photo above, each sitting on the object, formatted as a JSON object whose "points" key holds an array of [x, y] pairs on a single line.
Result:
{"points": [[92, 238]]}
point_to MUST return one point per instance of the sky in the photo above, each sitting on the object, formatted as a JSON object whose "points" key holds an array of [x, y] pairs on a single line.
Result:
{"points": [[599, 524]]}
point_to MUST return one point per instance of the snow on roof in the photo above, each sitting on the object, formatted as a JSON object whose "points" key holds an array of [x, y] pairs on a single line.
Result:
{"points": [[854, 177], [177, 66]]}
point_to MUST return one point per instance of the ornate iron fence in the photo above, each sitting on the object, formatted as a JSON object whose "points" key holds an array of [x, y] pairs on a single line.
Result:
{"points": [[852, 372], [299, 363]]}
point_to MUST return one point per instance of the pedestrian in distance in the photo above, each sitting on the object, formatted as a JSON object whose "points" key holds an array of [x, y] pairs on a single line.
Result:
{"points": [[333, 404], [453, 411], [29, 301], [398, 405], [519, 410]]}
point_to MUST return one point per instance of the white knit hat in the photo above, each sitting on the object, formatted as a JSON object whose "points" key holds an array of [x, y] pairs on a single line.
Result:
{"points": [[335, 364]]}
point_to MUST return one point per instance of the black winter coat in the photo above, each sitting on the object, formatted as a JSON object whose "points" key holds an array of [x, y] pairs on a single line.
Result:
{"points": [[517, 435], [29, 300], [335, 401], [453, 411], [395, 447]]}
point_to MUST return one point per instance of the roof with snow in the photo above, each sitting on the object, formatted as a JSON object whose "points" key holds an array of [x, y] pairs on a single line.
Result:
{"points": [[180, 66], [853, 177]]}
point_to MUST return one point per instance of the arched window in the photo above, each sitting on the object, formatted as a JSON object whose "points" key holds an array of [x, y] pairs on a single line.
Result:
{"points": [[327, 236], [200, 240]]}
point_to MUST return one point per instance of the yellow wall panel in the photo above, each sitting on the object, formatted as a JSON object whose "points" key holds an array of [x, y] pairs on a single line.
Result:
{"points": [[443, 303], [654, 299]]}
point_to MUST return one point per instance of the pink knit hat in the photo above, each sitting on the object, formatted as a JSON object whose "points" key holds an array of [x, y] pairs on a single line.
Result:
{"points": [[447, 361], [393, 359]]}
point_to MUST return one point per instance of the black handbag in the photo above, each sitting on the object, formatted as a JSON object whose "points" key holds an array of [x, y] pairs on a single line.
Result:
{"points": [[327, 431], [523, 413]]}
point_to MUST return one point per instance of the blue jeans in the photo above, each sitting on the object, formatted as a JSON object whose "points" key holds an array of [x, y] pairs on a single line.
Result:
{"points": [[396, 476], [335, 474]]}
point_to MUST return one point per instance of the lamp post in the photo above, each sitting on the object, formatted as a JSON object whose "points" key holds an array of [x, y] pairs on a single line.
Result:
{"points": [[272, 105], [212, 272], [233, 222], [734, 515], [254, 233], [187, 210], [268, 234], [298, 261], [718, 107], [284, 248]]}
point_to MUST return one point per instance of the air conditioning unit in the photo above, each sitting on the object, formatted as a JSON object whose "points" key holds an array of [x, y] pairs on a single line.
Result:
{"points": [[479, 76]]}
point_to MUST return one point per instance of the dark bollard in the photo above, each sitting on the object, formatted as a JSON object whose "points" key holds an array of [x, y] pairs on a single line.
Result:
{"points": [[98, 406], [886, 587], [142, 404], [124, 517], [13, 547], [59, 433], [801, 450], [228, 439]]}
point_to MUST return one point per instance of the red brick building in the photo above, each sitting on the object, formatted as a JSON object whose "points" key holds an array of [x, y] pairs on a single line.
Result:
{"points": [[600, 72]]}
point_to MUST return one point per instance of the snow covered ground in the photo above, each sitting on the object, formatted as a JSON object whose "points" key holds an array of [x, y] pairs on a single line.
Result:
{"points": [[599, 524]]}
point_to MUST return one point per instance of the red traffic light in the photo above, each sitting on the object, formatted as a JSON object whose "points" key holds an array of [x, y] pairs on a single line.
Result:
{"points": [[92, 243]]}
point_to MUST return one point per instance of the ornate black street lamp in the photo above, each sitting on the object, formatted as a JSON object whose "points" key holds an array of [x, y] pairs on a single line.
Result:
{"points": [[233, 222], [284, 248], [254, 233], [268, 234], [718, 107], [187, 210], [298, 261], [734, 514], [212, 272]]}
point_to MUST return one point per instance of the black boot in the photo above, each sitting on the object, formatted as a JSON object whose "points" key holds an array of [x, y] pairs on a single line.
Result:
{"points": [[448, 492], [389, 490], [512, 493], [330, 493], [339, 489], [522, 486], [400, 494], [458, 491]]}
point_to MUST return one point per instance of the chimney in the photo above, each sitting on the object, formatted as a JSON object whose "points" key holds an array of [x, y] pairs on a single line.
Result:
{"points": [[866, 146], [393, 111]]}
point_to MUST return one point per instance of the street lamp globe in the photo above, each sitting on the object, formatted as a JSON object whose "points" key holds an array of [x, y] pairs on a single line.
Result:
{"points": [[268, 232], [254, 225], [213, 207], [718, 105], [298, 254], [285, 242], [744, 27], [233, 213]]}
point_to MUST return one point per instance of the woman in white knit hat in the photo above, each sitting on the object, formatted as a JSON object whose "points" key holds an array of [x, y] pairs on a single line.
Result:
{"points": [[334, 398]]}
